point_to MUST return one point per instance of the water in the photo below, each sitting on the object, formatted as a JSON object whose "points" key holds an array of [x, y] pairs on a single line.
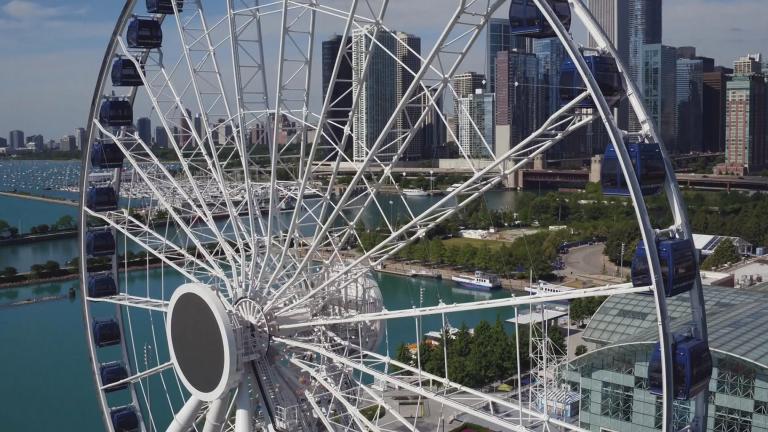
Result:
{"points": [[47, 379]]}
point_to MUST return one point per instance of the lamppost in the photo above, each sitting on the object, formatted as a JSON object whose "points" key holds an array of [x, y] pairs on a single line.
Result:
{"points": [[391, 216], [431, 173]]}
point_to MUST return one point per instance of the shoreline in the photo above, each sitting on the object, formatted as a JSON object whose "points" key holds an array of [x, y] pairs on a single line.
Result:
{"points": [[64, 278], [49, 200]]}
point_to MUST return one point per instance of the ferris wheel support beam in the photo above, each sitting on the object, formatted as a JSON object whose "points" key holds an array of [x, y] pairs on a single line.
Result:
{"points": [[672, 189], [185, 418]]}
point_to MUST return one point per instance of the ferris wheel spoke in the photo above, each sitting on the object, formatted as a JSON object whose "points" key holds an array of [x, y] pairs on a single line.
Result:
{"points": [[168, 252], [186, 417], [547, 297], [212, 102], [165, 85], [216, 416], [417, 227], [133, 301], [138, 377]]}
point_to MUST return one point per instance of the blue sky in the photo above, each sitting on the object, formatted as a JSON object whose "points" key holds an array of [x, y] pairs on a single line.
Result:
{"points": [[52, 49]]}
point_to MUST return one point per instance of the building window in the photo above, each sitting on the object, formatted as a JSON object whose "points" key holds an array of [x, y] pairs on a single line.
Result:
{"points": [[616, 401], [732, 420]]}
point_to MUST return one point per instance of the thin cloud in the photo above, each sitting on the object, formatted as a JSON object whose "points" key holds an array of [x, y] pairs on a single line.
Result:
{"points": [[25, 10]]}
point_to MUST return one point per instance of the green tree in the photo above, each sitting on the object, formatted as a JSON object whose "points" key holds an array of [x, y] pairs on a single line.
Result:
{"points": [[65, 222], [36, 270], [581, 350], [52, 266], [726, 252], [9, 272]]}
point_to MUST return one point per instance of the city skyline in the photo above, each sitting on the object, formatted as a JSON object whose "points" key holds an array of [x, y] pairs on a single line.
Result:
{"points": [[44, 37]]}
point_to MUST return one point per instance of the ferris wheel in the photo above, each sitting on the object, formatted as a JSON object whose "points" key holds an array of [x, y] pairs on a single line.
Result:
{"points": [[250, 213]]}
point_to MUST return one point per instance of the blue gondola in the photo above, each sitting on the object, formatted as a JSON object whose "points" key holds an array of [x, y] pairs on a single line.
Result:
{"points": [[116, 113], [106, 156], [163, 6], [144, 33], [526, 19], [111, 373], [102, 285], [106, 333], [100, 243], [679, 255], [691, 365], [125, 74], [606, 73], [648, 163], [124, 419], [101, 199]]}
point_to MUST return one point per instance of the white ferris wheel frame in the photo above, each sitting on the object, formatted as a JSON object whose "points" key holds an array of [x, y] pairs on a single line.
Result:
{"points": [[253, 105]]}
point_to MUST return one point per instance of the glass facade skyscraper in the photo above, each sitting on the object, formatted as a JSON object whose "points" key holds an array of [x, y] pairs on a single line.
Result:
{"points": [[341, 98], [518, 96], [144, 128], [498, 38], [660, 90], [690, 108]]}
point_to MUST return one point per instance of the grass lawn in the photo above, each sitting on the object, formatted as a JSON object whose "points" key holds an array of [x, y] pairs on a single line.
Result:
{"points": [[462, 241]]}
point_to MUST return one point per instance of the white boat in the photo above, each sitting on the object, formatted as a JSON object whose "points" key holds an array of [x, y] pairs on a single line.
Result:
{"points": [[453, 187], [480, 281], [415, 192], [426, 274]]}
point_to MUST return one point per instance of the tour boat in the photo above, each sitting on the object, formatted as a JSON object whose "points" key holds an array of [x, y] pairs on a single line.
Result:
{"points": [[480, 281], [415, 192], [453, 187]]}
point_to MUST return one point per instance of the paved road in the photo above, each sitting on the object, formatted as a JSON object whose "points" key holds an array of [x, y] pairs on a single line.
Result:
{"points": [[40, 198]]}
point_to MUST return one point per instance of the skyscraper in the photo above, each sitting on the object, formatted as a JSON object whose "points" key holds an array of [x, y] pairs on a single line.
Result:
{"points": [[68, 143], [161, 137], [475, 124], [37, 141], [690, 105], [465, 85], [377, 101], [498, 38], [81, 138], [629, 24], [144, 128], [714, 89], [3, 143], [16, 139], [746, 144], [434, 127], [409, 63], [517, 99], [660, 91], [550, 54], [341, 98]]}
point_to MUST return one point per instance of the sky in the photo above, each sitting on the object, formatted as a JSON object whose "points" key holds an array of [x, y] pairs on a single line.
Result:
{"points": [[52, 49]]}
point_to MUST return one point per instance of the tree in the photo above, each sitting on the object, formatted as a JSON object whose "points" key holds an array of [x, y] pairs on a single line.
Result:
{"points": [[52, 266], [555, 336], [65, 222], [37, 270], [9, 272], [726, 252], [581, 350]]}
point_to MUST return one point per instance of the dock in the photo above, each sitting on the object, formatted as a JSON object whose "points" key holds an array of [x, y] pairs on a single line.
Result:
{"points": [[61, 201]]}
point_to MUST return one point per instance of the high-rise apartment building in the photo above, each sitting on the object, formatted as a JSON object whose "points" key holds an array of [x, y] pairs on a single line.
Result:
{"points": [[409, 63], [341, 99], [68, 143], [377, 95], [144, 129], [714, 89], [3, 143], [660, 90], [476, 125], [746, 144], [80, 138], [16, 139], [37, 142], [690, 104], [499, 38]]}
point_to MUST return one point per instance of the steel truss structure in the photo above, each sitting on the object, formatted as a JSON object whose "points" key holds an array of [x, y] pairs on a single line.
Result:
{"points": [[241, 224]]}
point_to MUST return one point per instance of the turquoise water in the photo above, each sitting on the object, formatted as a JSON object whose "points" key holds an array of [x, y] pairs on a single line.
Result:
{"points": [[47, 381]]}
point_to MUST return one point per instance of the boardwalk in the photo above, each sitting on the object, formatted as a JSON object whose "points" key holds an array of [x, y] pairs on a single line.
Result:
{"points": [[40, 198]]}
